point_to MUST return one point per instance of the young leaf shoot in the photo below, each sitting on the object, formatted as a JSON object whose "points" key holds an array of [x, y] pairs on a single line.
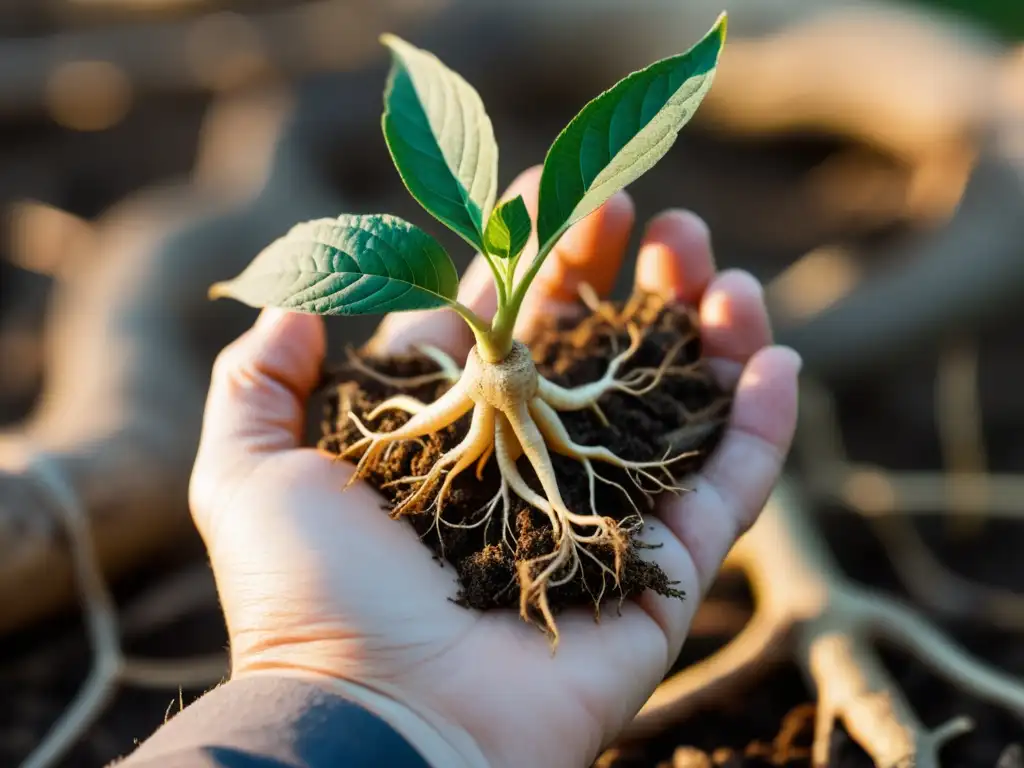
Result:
{"points": [[508, 229], [442, 143]]}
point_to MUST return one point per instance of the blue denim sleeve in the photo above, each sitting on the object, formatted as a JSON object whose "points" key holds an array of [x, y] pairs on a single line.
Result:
{"points": [[274, 722]]}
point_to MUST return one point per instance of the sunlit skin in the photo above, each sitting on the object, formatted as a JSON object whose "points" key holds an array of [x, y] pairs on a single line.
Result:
{"points": [[319, 583]]}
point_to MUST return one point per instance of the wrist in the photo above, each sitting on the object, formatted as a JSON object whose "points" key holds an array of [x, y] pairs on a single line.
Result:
{"points": [[439, 741]]}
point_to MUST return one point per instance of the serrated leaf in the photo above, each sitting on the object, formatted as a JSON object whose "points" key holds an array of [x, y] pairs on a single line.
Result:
{"points": [[508, 229], [440, 139], [352, 265], [622, 133]]}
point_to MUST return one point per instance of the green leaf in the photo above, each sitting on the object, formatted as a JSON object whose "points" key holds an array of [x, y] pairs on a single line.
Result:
{"points": [[440, 139], [621, 134], [508, 229], [352, 265]]}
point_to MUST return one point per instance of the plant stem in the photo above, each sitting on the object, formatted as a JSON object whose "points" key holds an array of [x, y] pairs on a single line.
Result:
{"points": [[504, 323], [496, 342], [491, 348], [519, 293], [499, 279], [502, 327]]}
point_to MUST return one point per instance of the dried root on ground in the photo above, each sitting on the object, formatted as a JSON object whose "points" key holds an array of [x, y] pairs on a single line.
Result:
{"points": [[890, 500], [94, 482], [808, 609]]}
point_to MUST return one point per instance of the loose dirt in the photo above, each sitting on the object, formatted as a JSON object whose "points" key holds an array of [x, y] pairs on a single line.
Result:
{"points": [[684, 413]]}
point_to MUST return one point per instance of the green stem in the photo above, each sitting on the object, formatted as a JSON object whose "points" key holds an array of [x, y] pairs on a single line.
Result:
{"points": [[490, 346], [502, 328], [499, 280], [515, 302], [476, 323], [495, 342]]}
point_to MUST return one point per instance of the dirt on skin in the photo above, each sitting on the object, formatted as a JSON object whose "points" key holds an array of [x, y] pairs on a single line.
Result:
{"points": [[683, 413]]}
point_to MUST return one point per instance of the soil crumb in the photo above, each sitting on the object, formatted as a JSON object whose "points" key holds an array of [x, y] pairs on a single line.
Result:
{"points": [[685, 412]]}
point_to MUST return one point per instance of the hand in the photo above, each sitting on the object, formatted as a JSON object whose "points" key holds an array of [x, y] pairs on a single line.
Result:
{"points": [[319, 582]]}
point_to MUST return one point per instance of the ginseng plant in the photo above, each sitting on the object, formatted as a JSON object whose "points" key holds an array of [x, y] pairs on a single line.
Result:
{"points": [[443, 146]]}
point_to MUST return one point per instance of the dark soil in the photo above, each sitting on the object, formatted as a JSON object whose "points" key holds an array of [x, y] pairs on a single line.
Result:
{"points": [[684, 413]]}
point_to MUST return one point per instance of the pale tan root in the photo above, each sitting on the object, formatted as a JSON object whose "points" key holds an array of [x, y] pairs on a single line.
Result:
{"points": [[504, 439], [506, 453], [111, 666], [536, 451], [486, 518], [514, 413], [483, 438], [904, 627], [405, 403], [592, 301], [558, 438], [854, 687], [533, 589], [584, 396], [637, 382], [889, 499], [481, 465], [616, 317], [596, 408], [562, 565], [479, 439], [451, 406], [566, 539], [444, 361], [449, 369], [454, 461], [554, 432]]}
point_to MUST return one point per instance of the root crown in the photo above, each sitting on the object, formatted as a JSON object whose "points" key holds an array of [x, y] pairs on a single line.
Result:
{"points": [[500, 385]]}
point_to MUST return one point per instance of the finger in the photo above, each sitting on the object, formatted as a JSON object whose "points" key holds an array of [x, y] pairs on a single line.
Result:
{"points": [[675, 259], [732, 487], [590, 252], [734, 323], [672, 614], [260, 384], [402, 332]]}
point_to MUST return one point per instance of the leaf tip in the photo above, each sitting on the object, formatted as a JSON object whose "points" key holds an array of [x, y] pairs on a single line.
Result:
{"points": [[220, 290], [395, 44], [722, 25]]}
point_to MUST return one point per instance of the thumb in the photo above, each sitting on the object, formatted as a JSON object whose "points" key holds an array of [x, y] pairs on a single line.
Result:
{"points": [[259, 388]]}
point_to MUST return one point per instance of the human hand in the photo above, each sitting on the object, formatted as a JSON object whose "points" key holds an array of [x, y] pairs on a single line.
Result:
{"points": [[320, 583]]}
